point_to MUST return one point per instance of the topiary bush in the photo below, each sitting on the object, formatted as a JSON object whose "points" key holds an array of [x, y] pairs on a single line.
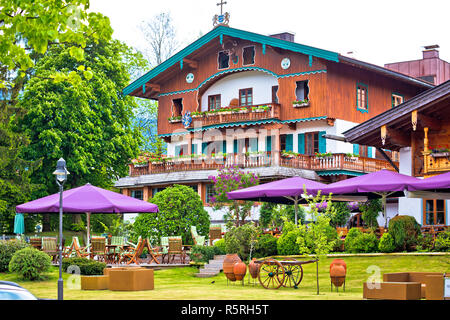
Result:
{"points": [[364, 243], [30, 263], [405, 230], [287, 243], [386, 243], [442, 242], [352, 234], [7, 250], [87, 267], [266, 246]]}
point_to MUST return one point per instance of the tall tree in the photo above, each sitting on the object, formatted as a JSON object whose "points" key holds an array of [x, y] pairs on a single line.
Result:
{"points": [[86, 121]]}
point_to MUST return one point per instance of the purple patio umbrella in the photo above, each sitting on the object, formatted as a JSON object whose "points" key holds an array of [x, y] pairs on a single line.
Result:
{"points": [[88, 199], [436, 187], [380, 184]]}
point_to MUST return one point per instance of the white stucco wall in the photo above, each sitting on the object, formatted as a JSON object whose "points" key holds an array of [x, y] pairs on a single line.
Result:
{"points": [[229, 86]]}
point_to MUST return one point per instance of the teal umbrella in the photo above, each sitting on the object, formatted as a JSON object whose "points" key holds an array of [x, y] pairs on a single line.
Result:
{"points": [[19, 225]]}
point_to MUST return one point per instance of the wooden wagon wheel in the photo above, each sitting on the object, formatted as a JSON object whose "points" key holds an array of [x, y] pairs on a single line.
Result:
{"points": [[271, 274], [293, 274]]}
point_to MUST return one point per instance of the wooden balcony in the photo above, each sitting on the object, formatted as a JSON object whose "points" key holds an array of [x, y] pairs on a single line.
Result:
{"points": [[266, 159], [436, 163], [230, 115]]}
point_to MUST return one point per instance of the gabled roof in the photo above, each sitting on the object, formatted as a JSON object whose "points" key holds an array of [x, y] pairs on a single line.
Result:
{"points": [[221, 31]]}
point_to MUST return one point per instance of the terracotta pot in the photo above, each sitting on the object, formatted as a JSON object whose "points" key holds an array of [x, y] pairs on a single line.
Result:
{"points": [[228, 264], [339, 262], [239, 270], [253, 268], [337, 275]]}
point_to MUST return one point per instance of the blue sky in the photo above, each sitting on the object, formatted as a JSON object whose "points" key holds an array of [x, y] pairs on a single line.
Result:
{"points": [[378, 32]]}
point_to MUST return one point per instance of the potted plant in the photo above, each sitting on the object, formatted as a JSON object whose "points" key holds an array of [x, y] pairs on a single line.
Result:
{"points": [[440, 152], [175, 119], [351, 156], [323, 155], [300, 103], [261, 109], [243, 110], [225, 111], [197, 114], [140, 163]]}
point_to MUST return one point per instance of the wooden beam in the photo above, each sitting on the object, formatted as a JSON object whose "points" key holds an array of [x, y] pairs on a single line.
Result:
{"points": [[154, 87], [398, 138], [191, 63], [388, 159], [429, 122]]}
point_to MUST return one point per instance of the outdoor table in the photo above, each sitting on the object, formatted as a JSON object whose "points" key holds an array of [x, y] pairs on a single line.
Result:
{"points": [[114, 257]]}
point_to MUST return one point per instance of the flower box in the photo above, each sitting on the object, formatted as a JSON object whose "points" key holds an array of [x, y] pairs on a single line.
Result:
{"points": [[301, 105], [440, 154], [140, 165], [174, 120]]}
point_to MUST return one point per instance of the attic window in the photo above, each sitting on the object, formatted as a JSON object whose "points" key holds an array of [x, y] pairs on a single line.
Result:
{"points": [[248, 55], [224, 60], [302, 90]]}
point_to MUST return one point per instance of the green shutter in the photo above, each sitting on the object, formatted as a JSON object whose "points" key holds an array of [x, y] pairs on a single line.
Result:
{"points": [[371, 152], [177, 151], [194, 148], [235, 146], [253, 144], [356, 149], [301, 143], [224, 146], [322, 142], [269, 144], [289, 142], [204, 147]]}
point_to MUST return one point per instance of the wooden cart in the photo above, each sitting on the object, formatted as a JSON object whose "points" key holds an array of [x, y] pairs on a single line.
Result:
{"points": [[272, 274]]}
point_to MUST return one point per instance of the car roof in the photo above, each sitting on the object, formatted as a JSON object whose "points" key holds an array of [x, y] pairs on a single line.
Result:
{"points": [[10, 283]]}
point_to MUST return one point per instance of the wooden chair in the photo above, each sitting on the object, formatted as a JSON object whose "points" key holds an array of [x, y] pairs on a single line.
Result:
{"points": [[36, 242], [75, 249], [198, 240], [133, 254], [50, 247], [154, 252], [98, 248], [164, 248], [215, 233], [117, 247], [175, 248]]}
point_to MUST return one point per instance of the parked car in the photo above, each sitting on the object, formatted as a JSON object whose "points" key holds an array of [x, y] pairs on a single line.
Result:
{"points": [[13, 291]]}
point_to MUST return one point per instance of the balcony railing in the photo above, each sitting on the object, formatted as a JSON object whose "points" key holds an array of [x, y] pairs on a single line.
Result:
{"points": [[237, 114], [264, 159], [436, 162]]}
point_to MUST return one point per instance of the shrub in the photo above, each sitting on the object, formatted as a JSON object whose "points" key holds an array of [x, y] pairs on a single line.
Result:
{"points": [[442, 242], [386, 243], [425, 242], [87, 267], [352, 234], [405, 231], [219, 247], [202, 253], [240, 240], [266, 246], [287, 243], [30, 263], [364, 243], [7, 250]]}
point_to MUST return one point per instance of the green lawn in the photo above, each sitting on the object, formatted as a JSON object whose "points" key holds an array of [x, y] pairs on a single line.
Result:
{"points": [[181, 284]]}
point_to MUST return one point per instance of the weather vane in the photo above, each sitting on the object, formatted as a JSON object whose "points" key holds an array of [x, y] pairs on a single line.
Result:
{"points": [[222, 18]]}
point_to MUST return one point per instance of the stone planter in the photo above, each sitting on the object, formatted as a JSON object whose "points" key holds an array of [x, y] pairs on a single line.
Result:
{"points": [[228, 263]]}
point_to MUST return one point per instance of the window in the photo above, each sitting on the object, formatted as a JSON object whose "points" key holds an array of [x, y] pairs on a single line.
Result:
{"points": [[177, 107], [286, 142], [312, 142], [156, 190], [362, 102], [209, 193], [302, 90], [214, 102], [224, 60], [194, 187], [274, 94], [137, 194], [434, 212], [181, 150], [245, 97], [397, 99], [248, 54]]}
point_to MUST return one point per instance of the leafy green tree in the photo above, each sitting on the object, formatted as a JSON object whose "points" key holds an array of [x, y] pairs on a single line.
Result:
{"points": [[370, 211], [86, 121], [180, 207]]}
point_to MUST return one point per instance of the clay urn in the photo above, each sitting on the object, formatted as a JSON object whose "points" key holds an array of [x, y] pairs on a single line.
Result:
{"points": [[239, 270], [339, 262], [253, 268], [337, 274], [228, 264]]}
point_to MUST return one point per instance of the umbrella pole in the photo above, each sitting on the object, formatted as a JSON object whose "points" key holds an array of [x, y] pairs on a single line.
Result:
{"points": [[296, 209], [88, 240], [384, 209]]}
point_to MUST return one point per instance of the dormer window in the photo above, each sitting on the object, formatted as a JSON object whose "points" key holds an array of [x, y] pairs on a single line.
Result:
{"points": [[248, 55], [224, 60]]}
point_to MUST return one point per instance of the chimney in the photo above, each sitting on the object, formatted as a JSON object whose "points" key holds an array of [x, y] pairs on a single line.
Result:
{"points": [[431, 51], [287, 36]]}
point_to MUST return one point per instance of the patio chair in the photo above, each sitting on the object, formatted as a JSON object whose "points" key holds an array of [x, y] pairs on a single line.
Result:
{"points": [[164, 248], [75, 249], [36, 242], [153, 251], [215, 233], [50, 247], [198, 240], [98, 248], [133, 253], [115, 248], [175, 248]]}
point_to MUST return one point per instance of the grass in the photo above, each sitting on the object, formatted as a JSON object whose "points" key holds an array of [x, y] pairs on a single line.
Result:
{"points": [[181, 284]]}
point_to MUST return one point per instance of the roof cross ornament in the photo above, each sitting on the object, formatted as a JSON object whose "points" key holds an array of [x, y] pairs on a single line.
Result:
{"points": [[222, 18]]}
